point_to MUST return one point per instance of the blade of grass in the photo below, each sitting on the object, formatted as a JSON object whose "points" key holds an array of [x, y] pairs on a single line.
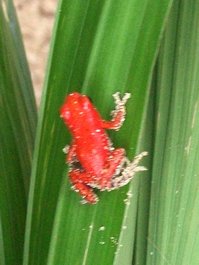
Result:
{"points": [[17, 128], [98, 48], [173, 230], [141, 230]]}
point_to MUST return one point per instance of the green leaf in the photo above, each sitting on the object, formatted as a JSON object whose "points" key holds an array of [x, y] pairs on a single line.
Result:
{"points": [[17, 129], [98, 48], [173, 230]]}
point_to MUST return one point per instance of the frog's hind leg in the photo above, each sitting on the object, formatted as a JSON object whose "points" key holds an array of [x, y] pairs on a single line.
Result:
{"points": [[70, 151], [127, 172], [79, 180], [113, 165]]}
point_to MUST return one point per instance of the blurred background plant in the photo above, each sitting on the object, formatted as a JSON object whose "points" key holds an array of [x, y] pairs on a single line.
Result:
{"points": [[36, 15]]}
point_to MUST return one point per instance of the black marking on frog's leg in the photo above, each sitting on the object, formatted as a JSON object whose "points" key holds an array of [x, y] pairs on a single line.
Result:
{"points": [[75, 165]]}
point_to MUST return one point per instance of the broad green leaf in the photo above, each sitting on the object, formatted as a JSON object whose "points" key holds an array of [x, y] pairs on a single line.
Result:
{"points": [[99, 47], [17, 128], [173, 230]]}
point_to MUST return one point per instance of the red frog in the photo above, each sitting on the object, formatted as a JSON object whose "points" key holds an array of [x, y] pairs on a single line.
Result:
{"points": [[93, 161]]}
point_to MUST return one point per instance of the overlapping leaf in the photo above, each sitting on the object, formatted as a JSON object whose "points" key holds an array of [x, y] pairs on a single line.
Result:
{"points": [[173, 231], [17, 129]]}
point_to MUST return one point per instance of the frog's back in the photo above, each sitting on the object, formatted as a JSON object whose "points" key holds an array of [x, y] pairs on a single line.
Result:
{"points": [[93, 149], [85, 125]]}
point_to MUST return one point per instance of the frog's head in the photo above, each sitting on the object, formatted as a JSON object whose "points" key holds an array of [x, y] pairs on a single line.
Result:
{"points": [[75, 105]]}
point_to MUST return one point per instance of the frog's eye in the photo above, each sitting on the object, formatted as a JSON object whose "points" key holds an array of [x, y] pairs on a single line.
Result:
{"points": [[64, 113], [86, 103], [90, 99], [67, 114]]}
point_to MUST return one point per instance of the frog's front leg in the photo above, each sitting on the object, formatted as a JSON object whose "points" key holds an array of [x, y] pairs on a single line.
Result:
{"points": [[119, 112], [80, 181]]}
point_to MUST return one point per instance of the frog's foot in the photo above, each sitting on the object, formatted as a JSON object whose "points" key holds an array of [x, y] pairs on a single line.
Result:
{"points": [[86, 193], [120, 110], [126, 172], [118, 114], [120, 102], [66, 149], [79, 181]]}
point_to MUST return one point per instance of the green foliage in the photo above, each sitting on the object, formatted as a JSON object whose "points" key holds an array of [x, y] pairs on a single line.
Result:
{"points": [[98, 48], [17, 129], [173, 237]]}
